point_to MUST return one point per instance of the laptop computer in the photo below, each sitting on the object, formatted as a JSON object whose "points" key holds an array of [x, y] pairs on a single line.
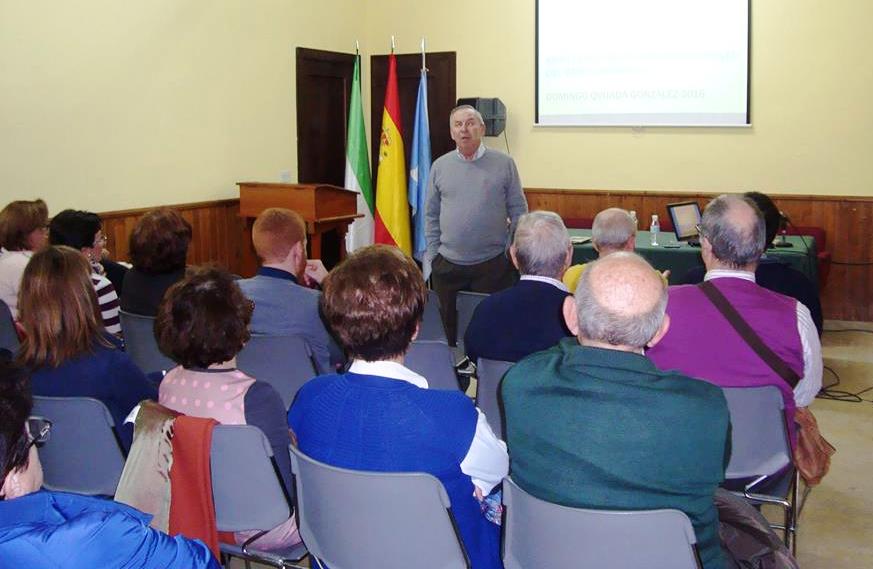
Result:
{"points": [[686, 219]]}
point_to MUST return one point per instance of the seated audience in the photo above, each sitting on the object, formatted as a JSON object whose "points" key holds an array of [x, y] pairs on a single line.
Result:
{"points": [[283, 305], [619, 433], [771, 273], [613, 230], [701, 341], [526, 318], [23, 230], [66, 347], [380, 416], [82, 230], [42, 529], [158, 249], [203, 324]]}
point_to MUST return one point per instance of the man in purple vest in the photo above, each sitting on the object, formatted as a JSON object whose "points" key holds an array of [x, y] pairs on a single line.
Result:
{"points": [[702, 343]]}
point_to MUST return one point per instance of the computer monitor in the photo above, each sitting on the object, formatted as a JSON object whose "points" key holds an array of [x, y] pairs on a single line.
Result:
{"points": [[685, 217]]}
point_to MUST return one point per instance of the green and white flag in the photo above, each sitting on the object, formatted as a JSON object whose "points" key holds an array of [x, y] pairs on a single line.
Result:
{"points": [[358, 168]]}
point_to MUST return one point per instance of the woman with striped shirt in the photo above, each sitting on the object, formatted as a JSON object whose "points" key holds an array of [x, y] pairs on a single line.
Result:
{"points": [[82, 230]]}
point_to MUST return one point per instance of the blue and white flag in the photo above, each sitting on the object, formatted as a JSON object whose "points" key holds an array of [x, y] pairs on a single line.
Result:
{"points": [[419, 170]]}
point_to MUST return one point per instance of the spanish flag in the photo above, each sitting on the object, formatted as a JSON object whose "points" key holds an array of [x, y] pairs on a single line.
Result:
{"points": [[392, 207]]}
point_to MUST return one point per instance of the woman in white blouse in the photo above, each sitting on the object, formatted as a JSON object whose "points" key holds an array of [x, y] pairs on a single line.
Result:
{"points": [[23, 230]]}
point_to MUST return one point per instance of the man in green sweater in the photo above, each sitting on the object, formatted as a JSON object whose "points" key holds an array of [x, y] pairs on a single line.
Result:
{"points": [[474, 200], [591, 423]]}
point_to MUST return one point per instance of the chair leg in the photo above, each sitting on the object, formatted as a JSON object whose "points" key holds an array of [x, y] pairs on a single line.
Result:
{"points": [[795, 512]]}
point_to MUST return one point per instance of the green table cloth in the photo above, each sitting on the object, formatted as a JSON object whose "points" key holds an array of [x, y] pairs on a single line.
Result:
{"points": [[801, 255]]}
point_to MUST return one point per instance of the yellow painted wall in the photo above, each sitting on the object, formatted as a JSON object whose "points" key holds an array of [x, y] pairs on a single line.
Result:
{"points": [[812, 112], [111, 105], [108, 104]]}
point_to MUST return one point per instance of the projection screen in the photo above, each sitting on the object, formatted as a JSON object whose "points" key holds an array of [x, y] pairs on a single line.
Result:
{"points": [[642, 62]]}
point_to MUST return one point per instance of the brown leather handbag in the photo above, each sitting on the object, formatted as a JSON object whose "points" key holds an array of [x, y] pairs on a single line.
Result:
{"points": [[812, 454]]}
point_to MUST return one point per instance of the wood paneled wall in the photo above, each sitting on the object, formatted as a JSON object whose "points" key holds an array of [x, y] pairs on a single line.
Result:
{"points": [[846, 221], [216, 225], [218, 232]]}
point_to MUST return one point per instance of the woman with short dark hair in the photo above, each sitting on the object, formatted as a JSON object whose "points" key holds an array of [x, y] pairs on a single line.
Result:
{"points": [[381, 416], [158, 251], [23, 231], [66, 346], [83, 231], [203, 323]]}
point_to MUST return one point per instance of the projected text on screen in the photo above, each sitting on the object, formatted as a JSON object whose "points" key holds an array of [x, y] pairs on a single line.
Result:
{"points": [[639, 63]]}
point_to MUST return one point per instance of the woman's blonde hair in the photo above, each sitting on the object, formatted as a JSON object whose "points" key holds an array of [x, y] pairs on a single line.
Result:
{"points": [[58, 308]]}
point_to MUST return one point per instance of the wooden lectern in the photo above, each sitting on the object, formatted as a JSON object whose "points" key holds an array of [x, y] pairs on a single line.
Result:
{"points": [[323, 207]]}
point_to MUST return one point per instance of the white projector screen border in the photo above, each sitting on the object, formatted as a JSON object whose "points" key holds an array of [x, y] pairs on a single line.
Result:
{"points": [[717, 94]]}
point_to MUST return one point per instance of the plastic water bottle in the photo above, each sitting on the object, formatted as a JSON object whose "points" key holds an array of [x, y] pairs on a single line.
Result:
{"points": [[655, 229]]}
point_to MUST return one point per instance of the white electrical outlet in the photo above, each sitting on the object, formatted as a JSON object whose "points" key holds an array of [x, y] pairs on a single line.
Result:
{"points": [[285, 176]]}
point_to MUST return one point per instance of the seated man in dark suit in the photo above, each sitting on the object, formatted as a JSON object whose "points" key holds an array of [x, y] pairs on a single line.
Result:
{"points": [[592, 423], [526, 318], [772, 274]]}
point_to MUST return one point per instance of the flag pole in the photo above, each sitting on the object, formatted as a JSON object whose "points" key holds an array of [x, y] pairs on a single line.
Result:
{"points": [[392, 44], [357, 48], [423, 62]]}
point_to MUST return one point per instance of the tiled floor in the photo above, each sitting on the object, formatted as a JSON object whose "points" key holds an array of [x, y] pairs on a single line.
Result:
{"points": [[836, 526]]}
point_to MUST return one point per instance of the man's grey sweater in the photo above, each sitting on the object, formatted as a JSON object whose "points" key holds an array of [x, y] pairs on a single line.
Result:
{"points": [[472, 206]]}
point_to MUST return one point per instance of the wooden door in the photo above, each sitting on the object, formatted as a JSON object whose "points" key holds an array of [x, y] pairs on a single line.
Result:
{"points": [[324, 83]]}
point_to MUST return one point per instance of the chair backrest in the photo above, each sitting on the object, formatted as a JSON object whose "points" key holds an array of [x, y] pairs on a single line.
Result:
{"points": [[285, 362], [541, 534], [8, 335], [466, 304], [489, 374], [759, 437], [432, 323], [141, 345], [246, 490], [433, 360], [351, 519], [83, 454]]}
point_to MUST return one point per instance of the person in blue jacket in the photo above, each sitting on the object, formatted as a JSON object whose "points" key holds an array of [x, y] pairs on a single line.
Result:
{"points": [[42, 529]]}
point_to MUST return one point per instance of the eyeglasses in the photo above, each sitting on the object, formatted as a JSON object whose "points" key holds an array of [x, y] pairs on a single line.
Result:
{"points": [[100, 241], [38, 430]]}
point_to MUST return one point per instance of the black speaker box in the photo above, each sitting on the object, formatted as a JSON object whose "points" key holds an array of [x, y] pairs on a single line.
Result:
{"points": [[493, 113]]}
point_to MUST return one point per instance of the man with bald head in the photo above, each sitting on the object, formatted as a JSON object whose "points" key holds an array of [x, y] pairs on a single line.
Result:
{"points": [[702, 343], [592, 423], [613, 230]]}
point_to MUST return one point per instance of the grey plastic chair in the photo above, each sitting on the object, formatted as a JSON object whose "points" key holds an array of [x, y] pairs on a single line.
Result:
{"points": [[141, 345], [248, 493], [433, 360], [466, 304], [8, 335], [83, 454], [285, 362], [367, 520], [489, 374], [542, 534], [432, 328], [761, 458]]}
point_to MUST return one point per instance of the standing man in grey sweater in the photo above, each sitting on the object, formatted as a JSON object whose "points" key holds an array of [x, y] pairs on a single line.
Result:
{"points": [[474, 200]]}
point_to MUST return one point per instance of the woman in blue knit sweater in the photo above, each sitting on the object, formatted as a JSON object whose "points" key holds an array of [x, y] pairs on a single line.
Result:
{"points": [[380, 416]]}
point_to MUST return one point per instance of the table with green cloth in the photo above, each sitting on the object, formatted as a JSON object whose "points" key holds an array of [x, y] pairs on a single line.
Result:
{"points": [[666, 255]]}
